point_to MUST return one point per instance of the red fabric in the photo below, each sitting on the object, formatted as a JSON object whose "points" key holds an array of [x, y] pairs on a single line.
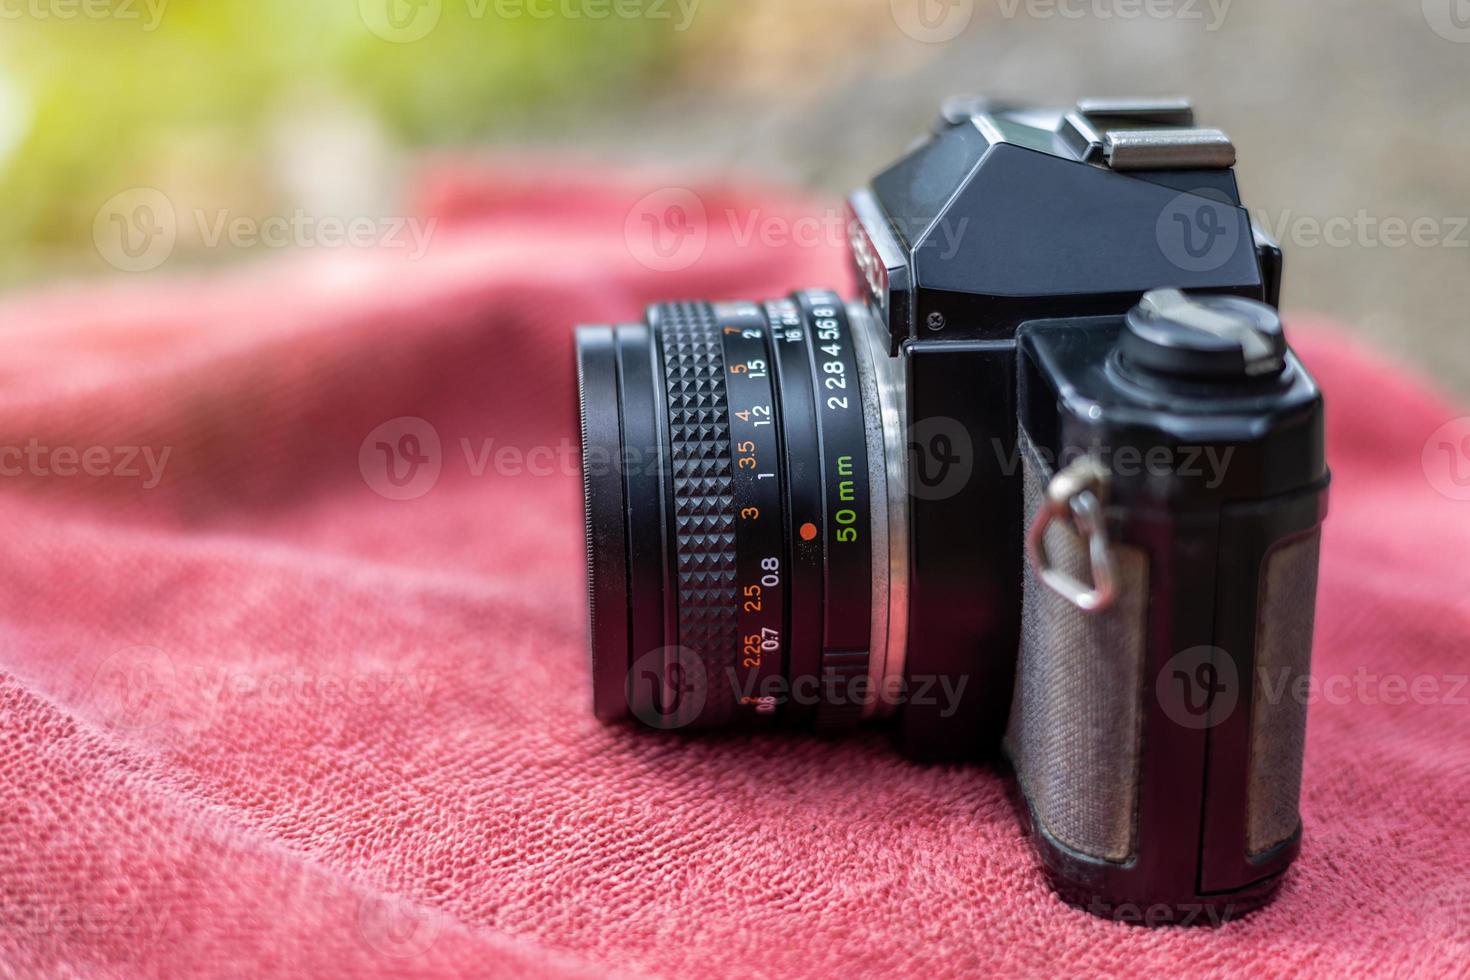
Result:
{"points": [[260, 720]]}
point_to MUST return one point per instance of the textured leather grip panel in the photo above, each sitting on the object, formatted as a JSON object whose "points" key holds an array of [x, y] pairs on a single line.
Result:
{"points": [[1285, 616], [1077, 714]]}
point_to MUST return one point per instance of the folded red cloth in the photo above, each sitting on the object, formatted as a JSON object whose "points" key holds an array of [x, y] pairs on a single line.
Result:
{"points": [[258, 718]]}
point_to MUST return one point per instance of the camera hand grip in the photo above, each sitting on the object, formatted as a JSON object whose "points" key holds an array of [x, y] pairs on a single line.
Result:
{"points": [[1158, 739]]}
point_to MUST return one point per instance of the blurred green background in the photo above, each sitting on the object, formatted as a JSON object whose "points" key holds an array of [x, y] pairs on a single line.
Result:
{"points": [[1341, 108], [225, 97]]}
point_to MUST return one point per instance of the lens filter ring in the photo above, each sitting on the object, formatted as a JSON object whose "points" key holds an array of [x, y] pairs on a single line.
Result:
{"points": [[606, 519]]}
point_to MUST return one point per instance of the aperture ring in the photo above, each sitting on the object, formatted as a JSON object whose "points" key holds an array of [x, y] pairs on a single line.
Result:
{"points": [[703, 507]]}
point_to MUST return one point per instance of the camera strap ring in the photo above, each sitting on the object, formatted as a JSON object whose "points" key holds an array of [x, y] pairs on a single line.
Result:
{"points": [[1075, 494]]}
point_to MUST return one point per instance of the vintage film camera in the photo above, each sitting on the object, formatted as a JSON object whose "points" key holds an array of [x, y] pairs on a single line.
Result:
{"points": [[1049, 489]]}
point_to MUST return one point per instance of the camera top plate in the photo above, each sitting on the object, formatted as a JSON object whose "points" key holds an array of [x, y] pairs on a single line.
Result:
{"points": [[1008, 214]]}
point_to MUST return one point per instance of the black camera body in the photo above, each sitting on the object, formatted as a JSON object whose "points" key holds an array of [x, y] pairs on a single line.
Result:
{"points": [[1000, 218], [1057, 460], [1003, 255]]}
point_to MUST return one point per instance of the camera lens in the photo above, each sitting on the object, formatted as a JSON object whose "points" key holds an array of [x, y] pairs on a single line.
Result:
{"points": [[746, 555]]}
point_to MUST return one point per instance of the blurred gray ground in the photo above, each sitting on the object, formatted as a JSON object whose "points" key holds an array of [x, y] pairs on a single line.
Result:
{"points": [[1342, 109]]}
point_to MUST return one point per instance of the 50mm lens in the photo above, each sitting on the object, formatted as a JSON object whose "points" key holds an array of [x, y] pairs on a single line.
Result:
{"points": [[739, 552]]}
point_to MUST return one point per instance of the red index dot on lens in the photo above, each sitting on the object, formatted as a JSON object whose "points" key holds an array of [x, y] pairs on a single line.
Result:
{"points": [[808, 531]]}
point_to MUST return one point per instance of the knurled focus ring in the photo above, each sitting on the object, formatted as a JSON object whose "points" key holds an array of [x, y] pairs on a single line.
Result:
{"points": [[703, 498]]}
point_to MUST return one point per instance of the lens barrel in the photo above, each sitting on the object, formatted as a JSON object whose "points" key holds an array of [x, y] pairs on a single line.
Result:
{"points": [[732, 455]]}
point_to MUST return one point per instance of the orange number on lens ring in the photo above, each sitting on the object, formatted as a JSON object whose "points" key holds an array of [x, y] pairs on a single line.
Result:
{"points": [[753, 604], [747, 447], [747, 462], [738, 369], [750, 514]]}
